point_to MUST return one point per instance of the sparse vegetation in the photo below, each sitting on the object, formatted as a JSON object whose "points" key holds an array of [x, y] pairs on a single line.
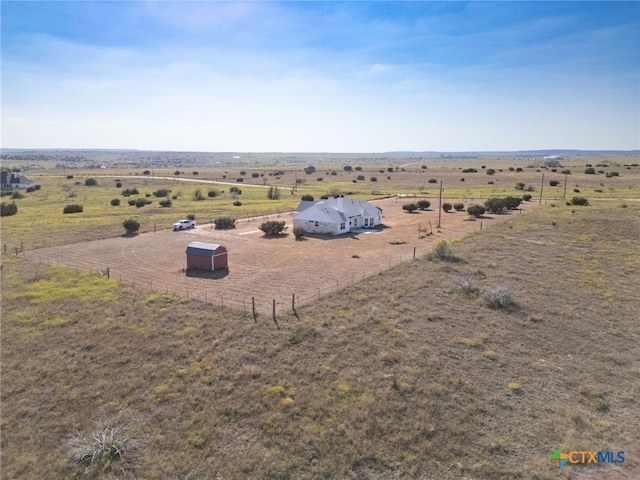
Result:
{"points": [[299, 232], [579, 201], [115, 202], [410, 207], [224, 223], [273, 227], [131, 225], [8, 209], [442, 249], [73, 208], [498, 298]]}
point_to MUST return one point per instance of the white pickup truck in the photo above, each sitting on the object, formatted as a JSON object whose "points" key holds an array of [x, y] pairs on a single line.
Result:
{"points": [[184, 225]]}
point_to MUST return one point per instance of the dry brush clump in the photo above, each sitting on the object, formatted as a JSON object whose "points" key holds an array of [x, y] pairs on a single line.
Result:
{"points": [[110, 447], [498, 298]]}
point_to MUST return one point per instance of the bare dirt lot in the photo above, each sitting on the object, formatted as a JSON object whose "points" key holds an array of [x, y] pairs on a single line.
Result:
{"points": [[269, 268]]}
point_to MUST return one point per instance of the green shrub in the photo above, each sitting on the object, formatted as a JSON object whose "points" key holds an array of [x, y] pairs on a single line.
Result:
{"points": [[458, 207], [90, 182], [526, 197], [442, 249], [476, 210], [31, 189], [447, 207], [130, 191], [140, 202], [410, 207], [191, 216], [73, 208], [511, 202], [8, 209], [224, 223], [237, 203], [131, 225], [115, 202], [273, 193], [373, 179], [16, 195], [235, 190], [198, 196], [212, 193], [432, 180], [520, 186], [566, 172], [299, 232], [273, 227], [495, 205], [554, 183], [307, 198], [590, 171], [166, 203], [163, 192], [423, 204], [579, 201], [131, 202]]}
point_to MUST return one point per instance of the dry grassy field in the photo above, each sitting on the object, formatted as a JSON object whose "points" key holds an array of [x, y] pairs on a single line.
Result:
{"points": [[406, 370]]}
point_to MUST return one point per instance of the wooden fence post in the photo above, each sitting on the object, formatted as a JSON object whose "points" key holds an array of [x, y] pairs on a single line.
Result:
{"points": [[274, 314], [253, 307]]}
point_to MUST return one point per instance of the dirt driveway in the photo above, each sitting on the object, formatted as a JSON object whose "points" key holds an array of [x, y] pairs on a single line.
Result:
{"points": [[267, 268]]}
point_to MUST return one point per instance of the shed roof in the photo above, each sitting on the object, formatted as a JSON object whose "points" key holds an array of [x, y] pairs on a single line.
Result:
{"points": [[204, 249]]}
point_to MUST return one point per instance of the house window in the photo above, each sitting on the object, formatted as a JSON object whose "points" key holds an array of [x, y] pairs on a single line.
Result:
{"points": [[342, 226], [316, 223]]}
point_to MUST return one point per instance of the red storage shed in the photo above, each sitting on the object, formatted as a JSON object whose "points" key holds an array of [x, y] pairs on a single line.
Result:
{"points": [[206, 256]]}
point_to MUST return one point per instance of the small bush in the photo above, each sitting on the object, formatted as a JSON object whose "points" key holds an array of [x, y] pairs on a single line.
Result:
{"points": [[458, 207], [130, 191], [554, 183], [447, 207], [307, 198], [237, 203], [198, 196], [520, 186], [31, 189], [590, 171], [423, 204], [191, 216], [566, 172], [498, 298], [432, 180], [442, 249], [69, 177], [273, 193], [464, 284], [511, 202], [239, 180], [526, 197], [299, 232], [90, 182], [140, 202], [579, 201], [115, 202], [166, 203], [131, 225], [212, 193], [118, 184], [131, 202], [410, 207], [224, 223], [373, 179], [8, 209], [73, 208], [273, 227], [235, 190], [16, 195], [495, 205], [360, 177], [163, 192], [476, 210]]}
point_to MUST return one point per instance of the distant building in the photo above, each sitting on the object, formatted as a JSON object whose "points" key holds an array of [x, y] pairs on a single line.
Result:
{"points": [[336, 216], [11, 180]]}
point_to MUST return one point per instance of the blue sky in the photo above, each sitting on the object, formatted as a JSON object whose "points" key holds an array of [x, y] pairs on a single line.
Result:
{"points": [[321, 76]]}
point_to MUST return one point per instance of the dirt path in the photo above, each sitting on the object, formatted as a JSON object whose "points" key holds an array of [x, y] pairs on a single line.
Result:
{"points": [[267, 268]]}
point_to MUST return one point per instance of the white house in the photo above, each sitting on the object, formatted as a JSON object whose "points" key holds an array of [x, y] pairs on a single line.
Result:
{"points": [[10, 180], [336, 216]]}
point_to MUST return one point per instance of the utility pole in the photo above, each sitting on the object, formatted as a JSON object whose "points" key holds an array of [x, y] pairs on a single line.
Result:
{"points": [[541, 187], [440, 205], [564, 195]]}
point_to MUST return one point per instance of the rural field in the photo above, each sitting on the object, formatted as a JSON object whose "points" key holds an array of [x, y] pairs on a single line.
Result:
{"points": [[396, 363]]}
